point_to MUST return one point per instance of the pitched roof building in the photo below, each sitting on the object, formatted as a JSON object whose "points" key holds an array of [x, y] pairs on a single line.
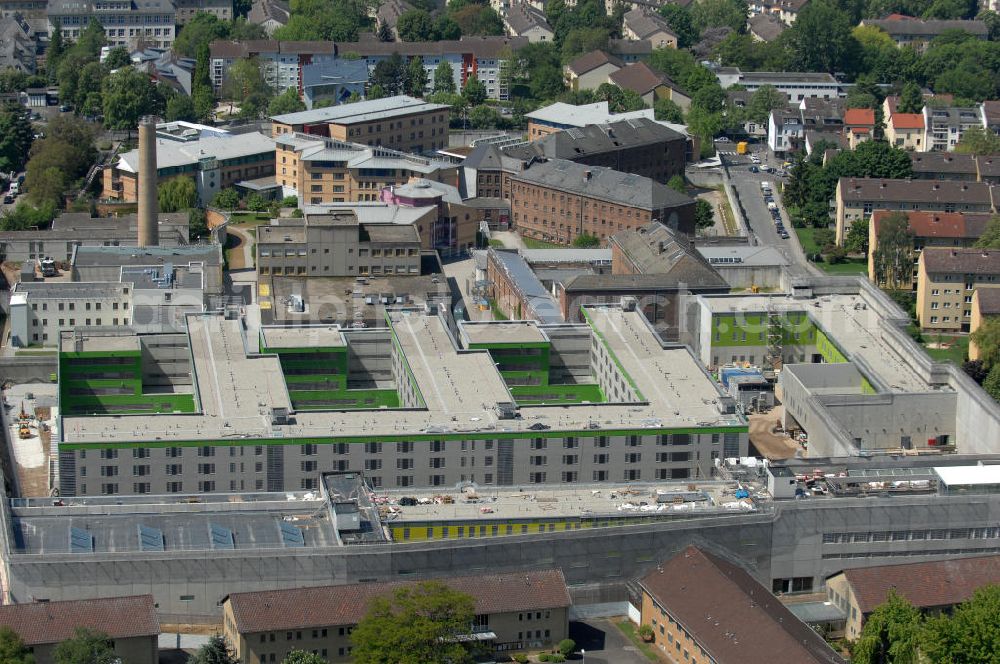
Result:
{"points": [[590, 70], [766, 27], [910, 31], [643, 23], [712, 610], [649, 84], [130, 622], [321, 618], [525, 20], [928, 586]]}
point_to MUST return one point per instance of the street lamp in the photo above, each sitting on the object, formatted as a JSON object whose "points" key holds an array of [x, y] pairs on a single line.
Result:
{"points": [[583, 654]]}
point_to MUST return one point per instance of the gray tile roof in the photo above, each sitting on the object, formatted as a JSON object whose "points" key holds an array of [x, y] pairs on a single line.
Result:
{"points": [[655, 249], [602, 183], [943, 162], [645, 23], [916, 191], [946, 260], [577, 142], [521, 17], [766, 26], [989, 300]]}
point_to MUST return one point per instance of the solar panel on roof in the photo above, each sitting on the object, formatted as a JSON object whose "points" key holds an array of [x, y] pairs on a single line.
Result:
{"points": [[292, 535], [222, 538], [80, 541], [150, 539]]}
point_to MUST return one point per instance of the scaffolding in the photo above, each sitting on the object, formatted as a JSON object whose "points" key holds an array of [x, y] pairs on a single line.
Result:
{"points": [[775, 336]]}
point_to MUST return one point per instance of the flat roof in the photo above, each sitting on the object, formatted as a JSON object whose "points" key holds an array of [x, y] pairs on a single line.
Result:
{"points": [[570, 115], [171, 153], [968, 475], [461, 391], [313, 336], [69, 290], [84, 340], [851, 324], [502, 332], [362, 111]]}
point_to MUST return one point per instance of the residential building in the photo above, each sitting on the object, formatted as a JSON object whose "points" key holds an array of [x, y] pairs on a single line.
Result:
{"points": [[214, 159], [929, 229], [944, 166], [642, 23], [557, 200], [707, 610], [740, 99], [786, 10], [640, 146], [857, 198], [324, 170], [785, 130], [512, 612], [902, 130], [524, 20], [649, 84], [629, 5], [337, 245], [932, 587], [388, 14], [164, 66], [629, 50], [130, 623], [74, 229], [402, 123], [590, 70], [269, 14], [124, 21], [919, 33], [797, 85], [859, 125], [765, 27], [985, 306], [486, 58], [220, 9], [946, 281], [18, 44], [558, 116], [943, 127], [990, 111], [33, 12], [280, 62]]}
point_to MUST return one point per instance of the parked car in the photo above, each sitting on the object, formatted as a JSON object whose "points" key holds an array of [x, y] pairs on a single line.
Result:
{"points": [[754, 169], [65, 108], [8, 199]]}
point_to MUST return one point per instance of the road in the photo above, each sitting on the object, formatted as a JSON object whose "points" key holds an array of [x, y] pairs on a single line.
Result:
{"points": [[603, 643], [747, 186]]}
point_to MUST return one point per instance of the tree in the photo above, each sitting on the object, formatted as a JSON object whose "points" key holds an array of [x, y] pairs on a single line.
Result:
{"points": [[586, 241], [180, 107], [856, 238], [117, 57], [202, 29], [287, 102], [821, 39], [763, 101], [567, 647], [16, 136], [893, 257], [244, 82], [990, 239], [474, 91], [384, 32], [12, 648], [416, 78], [987, 338], [417, 625], [619, 100], [46, 186], [971, 633], [477, 20], [256, 203], [416, 25], [216, 651], [978, 141], [719, 13], [484, 117], [227, 199], [86, 647], [178, 193], [56, 47], [389, 75], [679, 20], [677, 184], [911, 100], [992, 386], [704, 217], [584, 40], [444, 78], [129, 95], [447, 29], [197, 223], [302, 657], [666, 110]]}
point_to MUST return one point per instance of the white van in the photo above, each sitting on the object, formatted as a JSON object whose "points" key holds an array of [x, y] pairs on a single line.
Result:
{"points": [[765, 187]]}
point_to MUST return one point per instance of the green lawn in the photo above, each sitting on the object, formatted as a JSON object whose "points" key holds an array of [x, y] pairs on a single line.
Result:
{"points": [[532, 243], [255, 218], [851, 266], [958, 347], [628, 629]]}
